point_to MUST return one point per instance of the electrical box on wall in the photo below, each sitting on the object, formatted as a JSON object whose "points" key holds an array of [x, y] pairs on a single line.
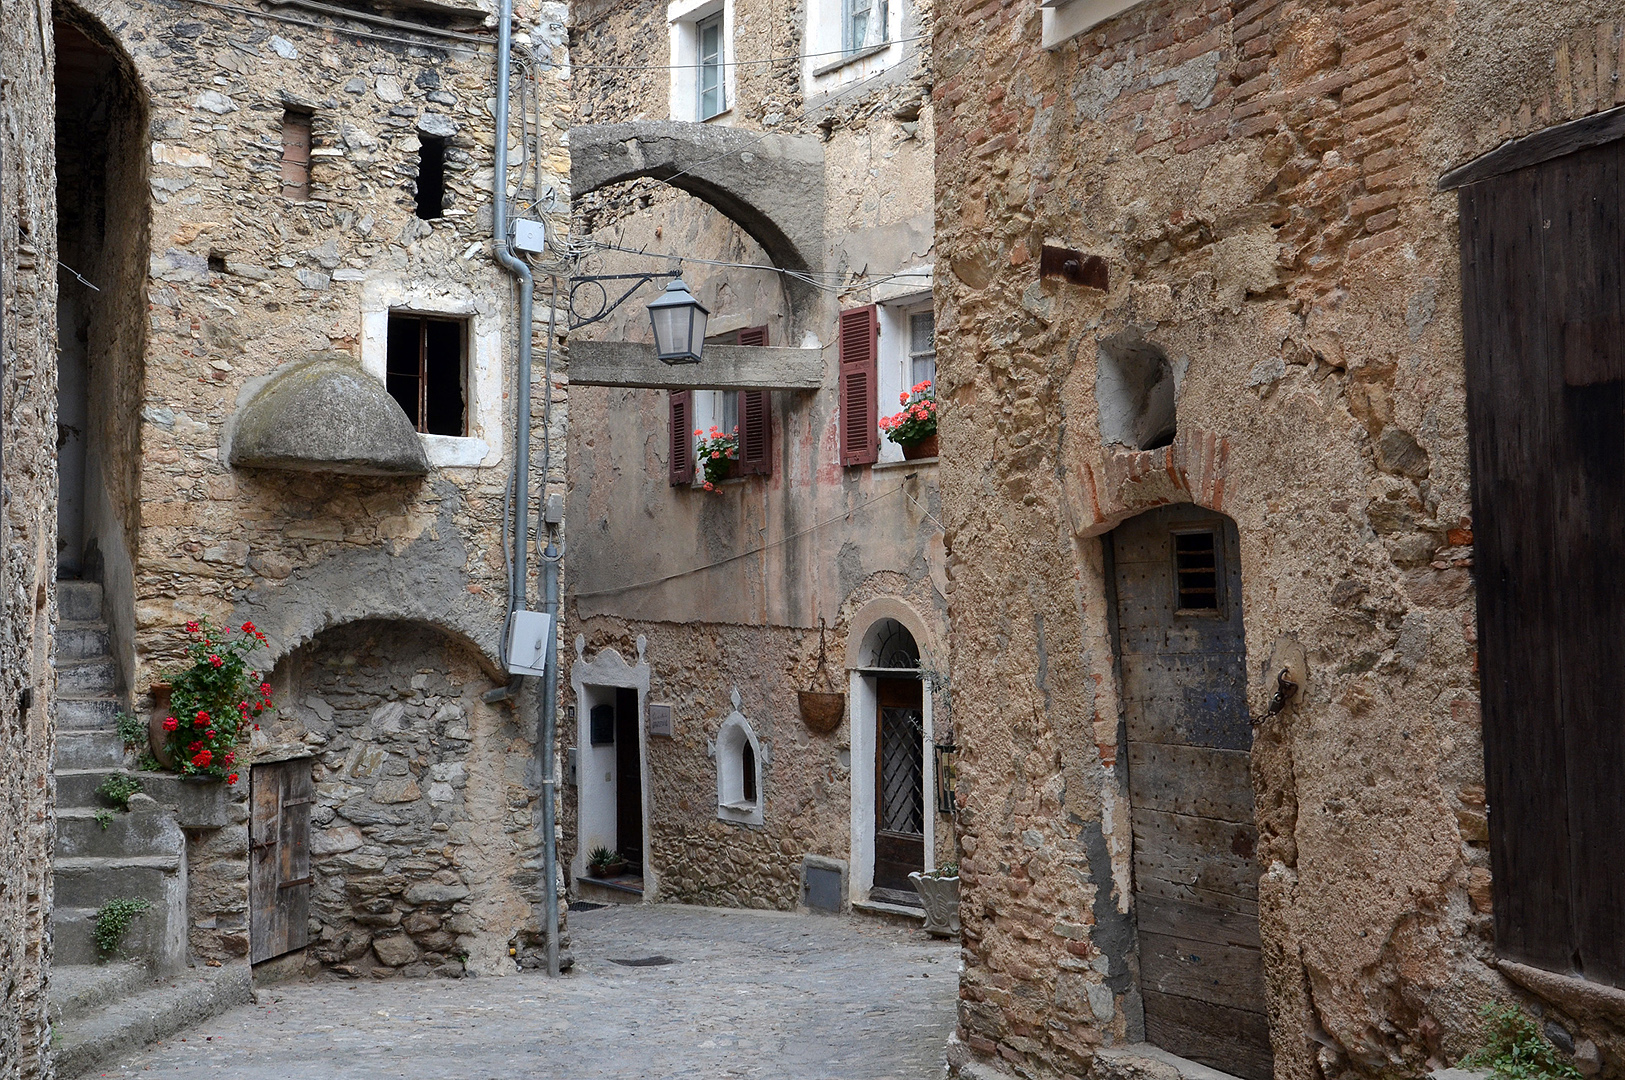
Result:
{"points": [[530, 236], [530, 636]]}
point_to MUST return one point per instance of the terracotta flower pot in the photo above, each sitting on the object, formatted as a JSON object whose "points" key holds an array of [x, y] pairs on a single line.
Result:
{"points": [[926, 447], [157, 737]]}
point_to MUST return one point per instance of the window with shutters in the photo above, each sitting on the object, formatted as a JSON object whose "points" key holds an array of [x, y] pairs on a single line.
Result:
{"points": [[1543, 304], [296, 125], [905, 356], [859, 405], [680, 452], [747, 412]]}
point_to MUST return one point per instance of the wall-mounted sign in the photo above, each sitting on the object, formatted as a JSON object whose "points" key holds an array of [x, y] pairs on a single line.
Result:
{"points": [[660, 720]]}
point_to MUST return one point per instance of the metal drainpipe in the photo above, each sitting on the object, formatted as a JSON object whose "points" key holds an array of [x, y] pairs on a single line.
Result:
{"points": [[518, 588], [550, 707]]}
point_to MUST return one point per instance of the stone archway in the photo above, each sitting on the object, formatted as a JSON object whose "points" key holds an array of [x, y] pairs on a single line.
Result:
{"points": [[423, 833]]}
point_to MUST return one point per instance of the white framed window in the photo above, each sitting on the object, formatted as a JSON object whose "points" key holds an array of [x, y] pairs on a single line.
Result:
{"points": [[739, 769], [471, 355], [702, 59], [865, 24], [908, 356], [850, 40]]}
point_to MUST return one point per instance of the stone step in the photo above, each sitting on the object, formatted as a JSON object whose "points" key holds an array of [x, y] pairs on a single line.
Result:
{"points": [[80, 835], [87, 678], [78, 601], [161, 1008], [77, 990], [77, 787], [195, 804], [86, 714], [91, 881], [81, 641], [149, 940], [89, 750]]}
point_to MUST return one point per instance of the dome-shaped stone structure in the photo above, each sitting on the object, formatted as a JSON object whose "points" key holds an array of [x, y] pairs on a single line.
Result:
{"points": [[327, 415]]}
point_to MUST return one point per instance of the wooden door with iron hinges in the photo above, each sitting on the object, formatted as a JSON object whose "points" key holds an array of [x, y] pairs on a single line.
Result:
{"points": [[281, 795], [1176, 577]]}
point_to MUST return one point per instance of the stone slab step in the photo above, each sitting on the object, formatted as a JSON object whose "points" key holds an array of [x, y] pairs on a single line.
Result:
{"points": [[90, 882], [77, 787], [87, 678], [81, 641], [89, 750], [159, 1010], [80, 835], [144, 943], [80, 989], [79, 601], [86, 714]]}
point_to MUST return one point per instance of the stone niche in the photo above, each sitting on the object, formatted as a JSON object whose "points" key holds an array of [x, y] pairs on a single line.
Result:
{"points": [[424, 846]]}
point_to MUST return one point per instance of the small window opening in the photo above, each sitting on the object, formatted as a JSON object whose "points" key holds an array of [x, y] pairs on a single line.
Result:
{"points": [[1135, 391], [296, 155], [431, 177], [601, 725], [1196, 571], [711, 92], [922, 348], [747, 762], [865, 25], [424, 371]]}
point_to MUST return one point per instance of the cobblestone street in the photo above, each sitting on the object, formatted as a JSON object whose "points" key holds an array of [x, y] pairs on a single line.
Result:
{"points": [[747, 995]]}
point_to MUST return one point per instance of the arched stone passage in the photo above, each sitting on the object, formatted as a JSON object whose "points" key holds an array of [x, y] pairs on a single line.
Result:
{"points": [[772, 185], [423, 836]]}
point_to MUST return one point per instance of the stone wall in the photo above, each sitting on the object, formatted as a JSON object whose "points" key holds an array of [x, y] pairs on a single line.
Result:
{"points": [[425, 842], [27, 530], [1260, 179]]}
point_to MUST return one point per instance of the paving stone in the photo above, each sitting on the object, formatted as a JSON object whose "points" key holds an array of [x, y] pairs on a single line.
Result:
{"points": [[747, 996]]}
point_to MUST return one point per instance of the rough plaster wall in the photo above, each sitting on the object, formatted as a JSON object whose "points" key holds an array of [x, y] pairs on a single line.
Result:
{"points": [[27, 530], [424, 840], [806, 777], [1260, 177]]}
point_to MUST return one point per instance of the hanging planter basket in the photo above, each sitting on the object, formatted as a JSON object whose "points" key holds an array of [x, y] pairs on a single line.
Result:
{"points": [[821, 710]]}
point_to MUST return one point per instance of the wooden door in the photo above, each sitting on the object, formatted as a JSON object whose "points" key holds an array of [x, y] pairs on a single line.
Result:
{"points": [[628, 781], [1543, 319], [1184, 670], [280, 794], [899, 784]]}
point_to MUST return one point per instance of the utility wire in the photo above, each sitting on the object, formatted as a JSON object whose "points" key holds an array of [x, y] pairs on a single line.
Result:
{"points": [[744, 63]]}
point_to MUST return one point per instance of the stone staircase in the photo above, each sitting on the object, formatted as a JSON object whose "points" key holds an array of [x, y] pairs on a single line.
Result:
{"points": [[106, 1004]]}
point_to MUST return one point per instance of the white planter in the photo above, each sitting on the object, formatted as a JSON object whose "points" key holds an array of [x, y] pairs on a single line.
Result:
{"points": [[941, 899]]}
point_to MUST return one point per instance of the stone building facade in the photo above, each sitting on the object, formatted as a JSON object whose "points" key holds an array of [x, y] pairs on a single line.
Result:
{"points": [[1261, 328], [27, 531], [297, 378], [784, 173]]}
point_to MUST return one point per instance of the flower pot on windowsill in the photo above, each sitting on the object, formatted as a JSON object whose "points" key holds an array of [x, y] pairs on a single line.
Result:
{"points": [[714, 476], [605, 871], [924, 448], [940, 896]]}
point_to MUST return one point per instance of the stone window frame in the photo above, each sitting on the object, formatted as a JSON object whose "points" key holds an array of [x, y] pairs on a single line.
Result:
{"points": [[1064, 20], [482, 446], [733, 736], [893, 368], [683, 18]]}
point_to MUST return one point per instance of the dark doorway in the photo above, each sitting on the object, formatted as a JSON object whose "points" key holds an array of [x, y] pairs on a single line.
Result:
{"points": [[281, 796], [899, 787], [628, 782], [1177, 579]]}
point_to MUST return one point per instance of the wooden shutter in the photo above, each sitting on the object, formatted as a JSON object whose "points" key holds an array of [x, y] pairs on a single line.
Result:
{"points": [[281, 795], [680, 462], [755, 418], [1542, 288], [860, 405]]}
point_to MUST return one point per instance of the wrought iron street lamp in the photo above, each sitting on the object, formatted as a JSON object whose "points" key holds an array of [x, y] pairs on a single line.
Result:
{"points": [[679, 324]]}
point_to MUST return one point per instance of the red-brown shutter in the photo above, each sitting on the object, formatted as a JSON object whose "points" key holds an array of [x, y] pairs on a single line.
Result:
{"points": [[681, 458], [860, 405], [755, 418]]}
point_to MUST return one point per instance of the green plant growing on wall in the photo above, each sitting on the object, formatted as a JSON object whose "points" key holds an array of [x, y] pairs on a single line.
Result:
{"points": [[114, 918], [133, 730], [117, 790], [104, 817], [1514, 1049]]}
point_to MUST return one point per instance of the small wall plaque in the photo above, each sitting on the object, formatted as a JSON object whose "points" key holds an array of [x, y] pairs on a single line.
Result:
{"points": [[660, 721]]}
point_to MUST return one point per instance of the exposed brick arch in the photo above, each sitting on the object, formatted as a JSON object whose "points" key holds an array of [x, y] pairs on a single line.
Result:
{"points": [[1123, 483]]}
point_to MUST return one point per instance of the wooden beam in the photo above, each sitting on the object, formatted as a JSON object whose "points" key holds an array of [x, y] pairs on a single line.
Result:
{"points": [[1543, 145], [724, 367]]}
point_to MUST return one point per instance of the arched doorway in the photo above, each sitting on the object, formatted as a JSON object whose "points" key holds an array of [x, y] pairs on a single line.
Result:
{"points": [[893, 821], [1176, 577]]}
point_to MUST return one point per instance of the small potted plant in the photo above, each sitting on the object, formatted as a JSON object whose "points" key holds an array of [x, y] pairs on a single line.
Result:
{"points": [[213, 702], [604, 863], [915, 427], [716, 452], [939, 892]]}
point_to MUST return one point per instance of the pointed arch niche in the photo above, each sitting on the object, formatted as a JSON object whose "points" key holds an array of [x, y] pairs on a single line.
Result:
{"points": [[893, 768]]}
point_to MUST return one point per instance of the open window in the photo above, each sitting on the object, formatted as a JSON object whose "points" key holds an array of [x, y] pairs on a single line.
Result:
{"points": [[431, 183], [426, 371], [906, 351], [859, 345], [747, 412]]}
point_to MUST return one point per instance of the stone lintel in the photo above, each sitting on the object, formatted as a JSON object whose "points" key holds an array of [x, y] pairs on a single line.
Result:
{"points": [[723, 367]]}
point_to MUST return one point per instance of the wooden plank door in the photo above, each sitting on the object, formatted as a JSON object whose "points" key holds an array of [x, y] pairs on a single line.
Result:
{"points": [[281, 794], [1543, 319], [1184, 669], [628, 781], [899, 784]]}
